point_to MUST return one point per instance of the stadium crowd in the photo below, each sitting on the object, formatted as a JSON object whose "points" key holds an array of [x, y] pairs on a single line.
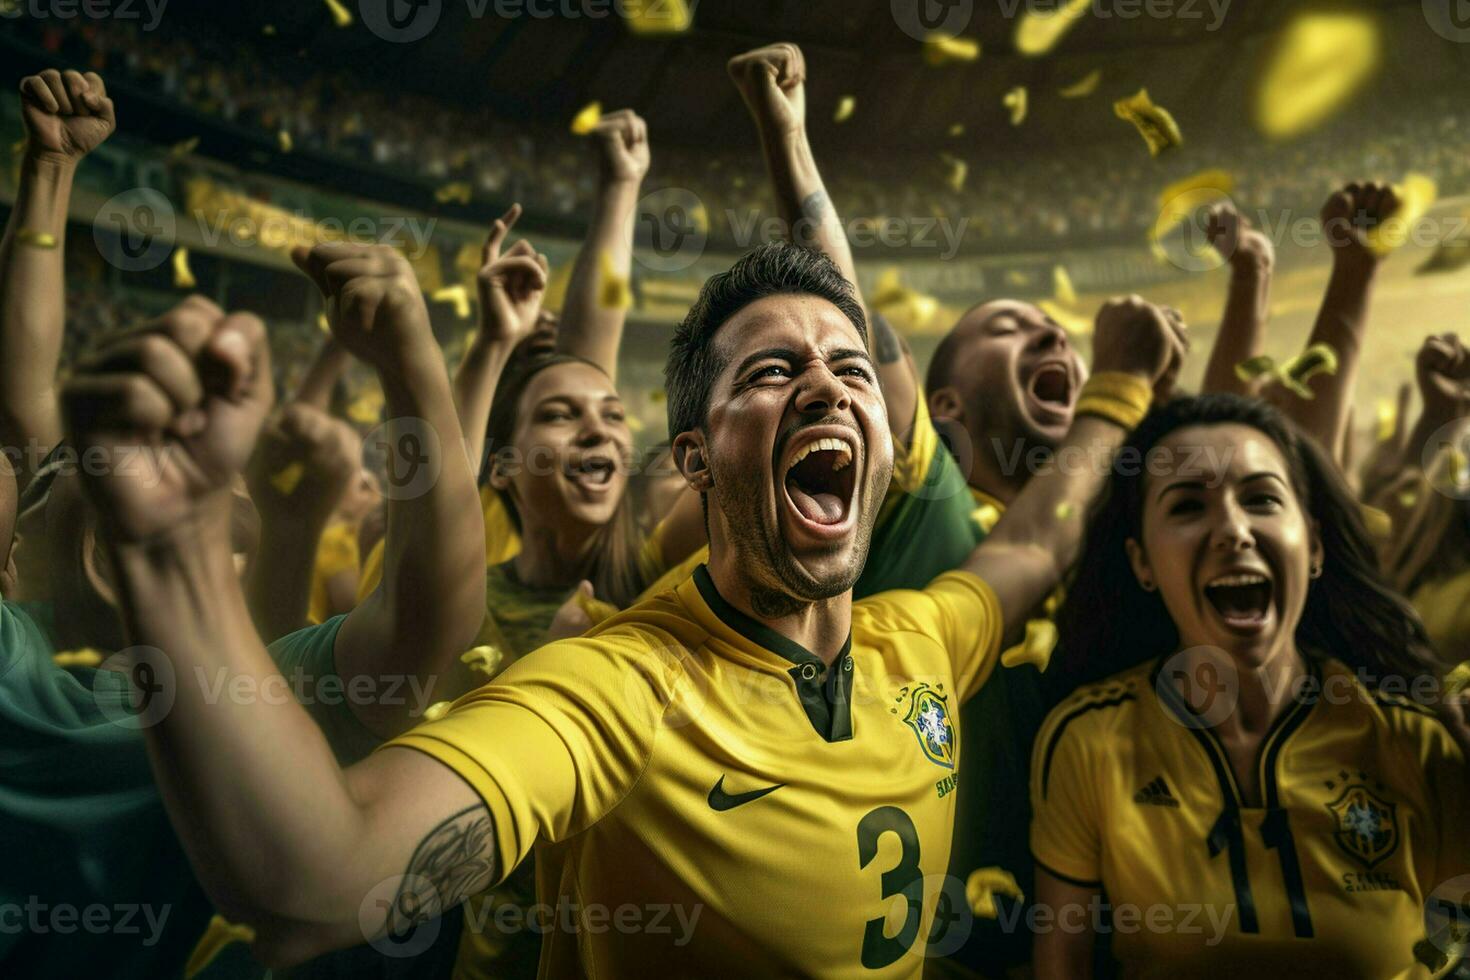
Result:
{"points": [[520, 699]]}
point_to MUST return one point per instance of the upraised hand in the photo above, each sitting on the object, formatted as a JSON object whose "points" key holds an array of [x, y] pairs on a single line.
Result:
{"points": [[67, 114], [511, 286], [1351, 213], [772, 80], [172, 412], [303, 464], [1443, 372], [1137, 337], [622, 144], [1237, 240]]}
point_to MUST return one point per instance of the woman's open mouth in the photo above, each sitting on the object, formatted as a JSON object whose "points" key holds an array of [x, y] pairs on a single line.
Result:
{"points": [[1242, 600], [592, 474], [820, 481]]}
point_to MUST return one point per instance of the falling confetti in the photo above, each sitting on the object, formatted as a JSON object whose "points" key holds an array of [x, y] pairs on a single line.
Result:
{"points": [[1154, 123], [458, 295], [614, 291], [1036, 649], [906, 306], [283, 139], [1252, 368], [457, 191], [982, 887], [1416, 195], [1039, 31], [986, 516], [484, 659], [1388, 420], [959, 170], [652, 17], [1322, 59], [940, 50], [288, 478], [339, 13], [958, 129], [85, 657], [1062, 286], [36, 239], [1015, 101], [183, 275], [1083, 87], [217, 935], [586, 121], [1073, 322], [845, 108]]}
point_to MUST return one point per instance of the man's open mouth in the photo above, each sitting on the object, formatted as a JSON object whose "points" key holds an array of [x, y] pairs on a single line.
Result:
{"points": [[821, 478], [1050, 387], [1242, 599], [592, 473]]}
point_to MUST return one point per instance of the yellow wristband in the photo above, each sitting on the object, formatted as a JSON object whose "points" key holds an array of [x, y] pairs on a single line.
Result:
{"points": [[1116, 396]]}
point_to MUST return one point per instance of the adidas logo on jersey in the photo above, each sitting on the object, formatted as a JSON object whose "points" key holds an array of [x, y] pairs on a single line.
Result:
{"points": [[1156, 793]]}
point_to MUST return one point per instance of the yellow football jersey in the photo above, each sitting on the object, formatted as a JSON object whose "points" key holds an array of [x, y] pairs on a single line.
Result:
{"points": [[707, 799], [335, 552], [502, 543], [1366, 801]]}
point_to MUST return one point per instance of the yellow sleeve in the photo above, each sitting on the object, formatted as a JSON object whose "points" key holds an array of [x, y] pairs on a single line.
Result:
{"points": [[1065, 830], [958, 609], [559, 738]]}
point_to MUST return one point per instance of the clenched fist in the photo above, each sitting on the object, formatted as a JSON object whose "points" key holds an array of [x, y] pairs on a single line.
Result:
{"points": [[1237, 240], [1443, 371], [303, 464], [67, 114], [1137, 337], [772, 80], [622, 144], [1351, 213], [170, 415]]}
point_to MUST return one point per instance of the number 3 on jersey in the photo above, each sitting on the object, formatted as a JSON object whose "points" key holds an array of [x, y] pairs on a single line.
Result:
{"points": [[904, 878]]}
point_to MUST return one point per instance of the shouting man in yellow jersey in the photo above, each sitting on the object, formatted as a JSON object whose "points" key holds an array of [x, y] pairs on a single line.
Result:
{"points": [[747, 775]]}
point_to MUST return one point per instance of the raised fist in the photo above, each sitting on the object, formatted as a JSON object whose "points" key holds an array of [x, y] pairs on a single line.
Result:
{"points": [[1351, 213], [374, 304], [622, 144], [772, 80], [1237, 240], [67, 114], [303, 464], [170, 415], [1137, 337], [511, 286], [1443, 370]]}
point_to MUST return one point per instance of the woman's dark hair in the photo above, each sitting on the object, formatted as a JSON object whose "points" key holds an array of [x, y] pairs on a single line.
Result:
{"points": [[612, 554], [1108, 623]]}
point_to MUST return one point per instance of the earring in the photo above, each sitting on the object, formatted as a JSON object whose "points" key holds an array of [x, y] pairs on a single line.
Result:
{"points": [[1317, 570], [1146, 584]]}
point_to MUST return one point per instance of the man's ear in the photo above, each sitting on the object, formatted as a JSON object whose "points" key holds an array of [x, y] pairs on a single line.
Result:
{"points": [[1139, 561], [690, 455], [944, 403]]}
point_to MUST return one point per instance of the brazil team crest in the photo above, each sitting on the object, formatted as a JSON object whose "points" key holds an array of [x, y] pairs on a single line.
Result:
{"points": [[928, 716], [1365, 827]]}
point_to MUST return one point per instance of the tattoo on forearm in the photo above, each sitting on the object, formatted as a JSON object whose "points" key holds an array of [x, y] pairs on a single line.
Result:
{"points": [[886, 343], [454, 861], [814, 211]]}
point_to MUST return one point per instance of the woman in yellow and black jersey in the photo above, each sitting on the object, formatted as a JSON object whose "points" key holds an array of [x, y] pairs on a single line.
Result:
{"points": [[1240, 783]]}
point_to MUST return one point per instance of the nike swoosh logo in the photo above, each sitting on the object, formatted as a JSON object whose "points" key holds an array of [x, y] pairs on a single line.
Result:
{"points": [[720, 801]]}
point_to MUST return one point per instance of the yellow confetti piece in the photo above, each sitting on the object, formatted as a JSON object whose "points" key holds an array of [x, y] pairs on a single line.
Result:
{"points": [[1040, 30], [85, 657], [288, 478], [36, 239], [1015, 100], [1321, 61], [959, 171], [1062, 286], [614, 292], [1315, 360], [586, 121], [183, 148], [183, 275], [367, 408], [556, 288], [941, 50], [1378, 523], [1041, 640], [1074, 323], [1388, 420], [905, 307], [437, 710], [217, 935], [323, 324], [958, 129], [1253, 367], [1065, 510], [1407, 499], [1416, 195], [483, 659], [986, 516], [845, 108], [1180, 199], [1083, 87], [457, 191], [653, 17], [458, 295], [340, 13], [982, 887], [1457, 680], [1154, 123], [283, 139]]}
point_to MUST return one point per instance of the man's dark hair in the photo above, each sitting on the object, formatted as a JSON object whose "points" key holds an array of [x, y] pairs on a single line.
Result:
{"points": [[772, 269]]}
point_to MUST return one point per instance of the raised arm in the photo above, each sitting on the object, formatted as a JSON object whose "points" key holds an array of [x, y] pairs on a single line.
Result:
{"points": [[66, 115], [772, 81], [431, 601], [1442, 370], [325, 370], [1251, 257], [316, 860], [1138, 350], [1346, 218], [301, 467], [511, 288], [592, 327]]}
